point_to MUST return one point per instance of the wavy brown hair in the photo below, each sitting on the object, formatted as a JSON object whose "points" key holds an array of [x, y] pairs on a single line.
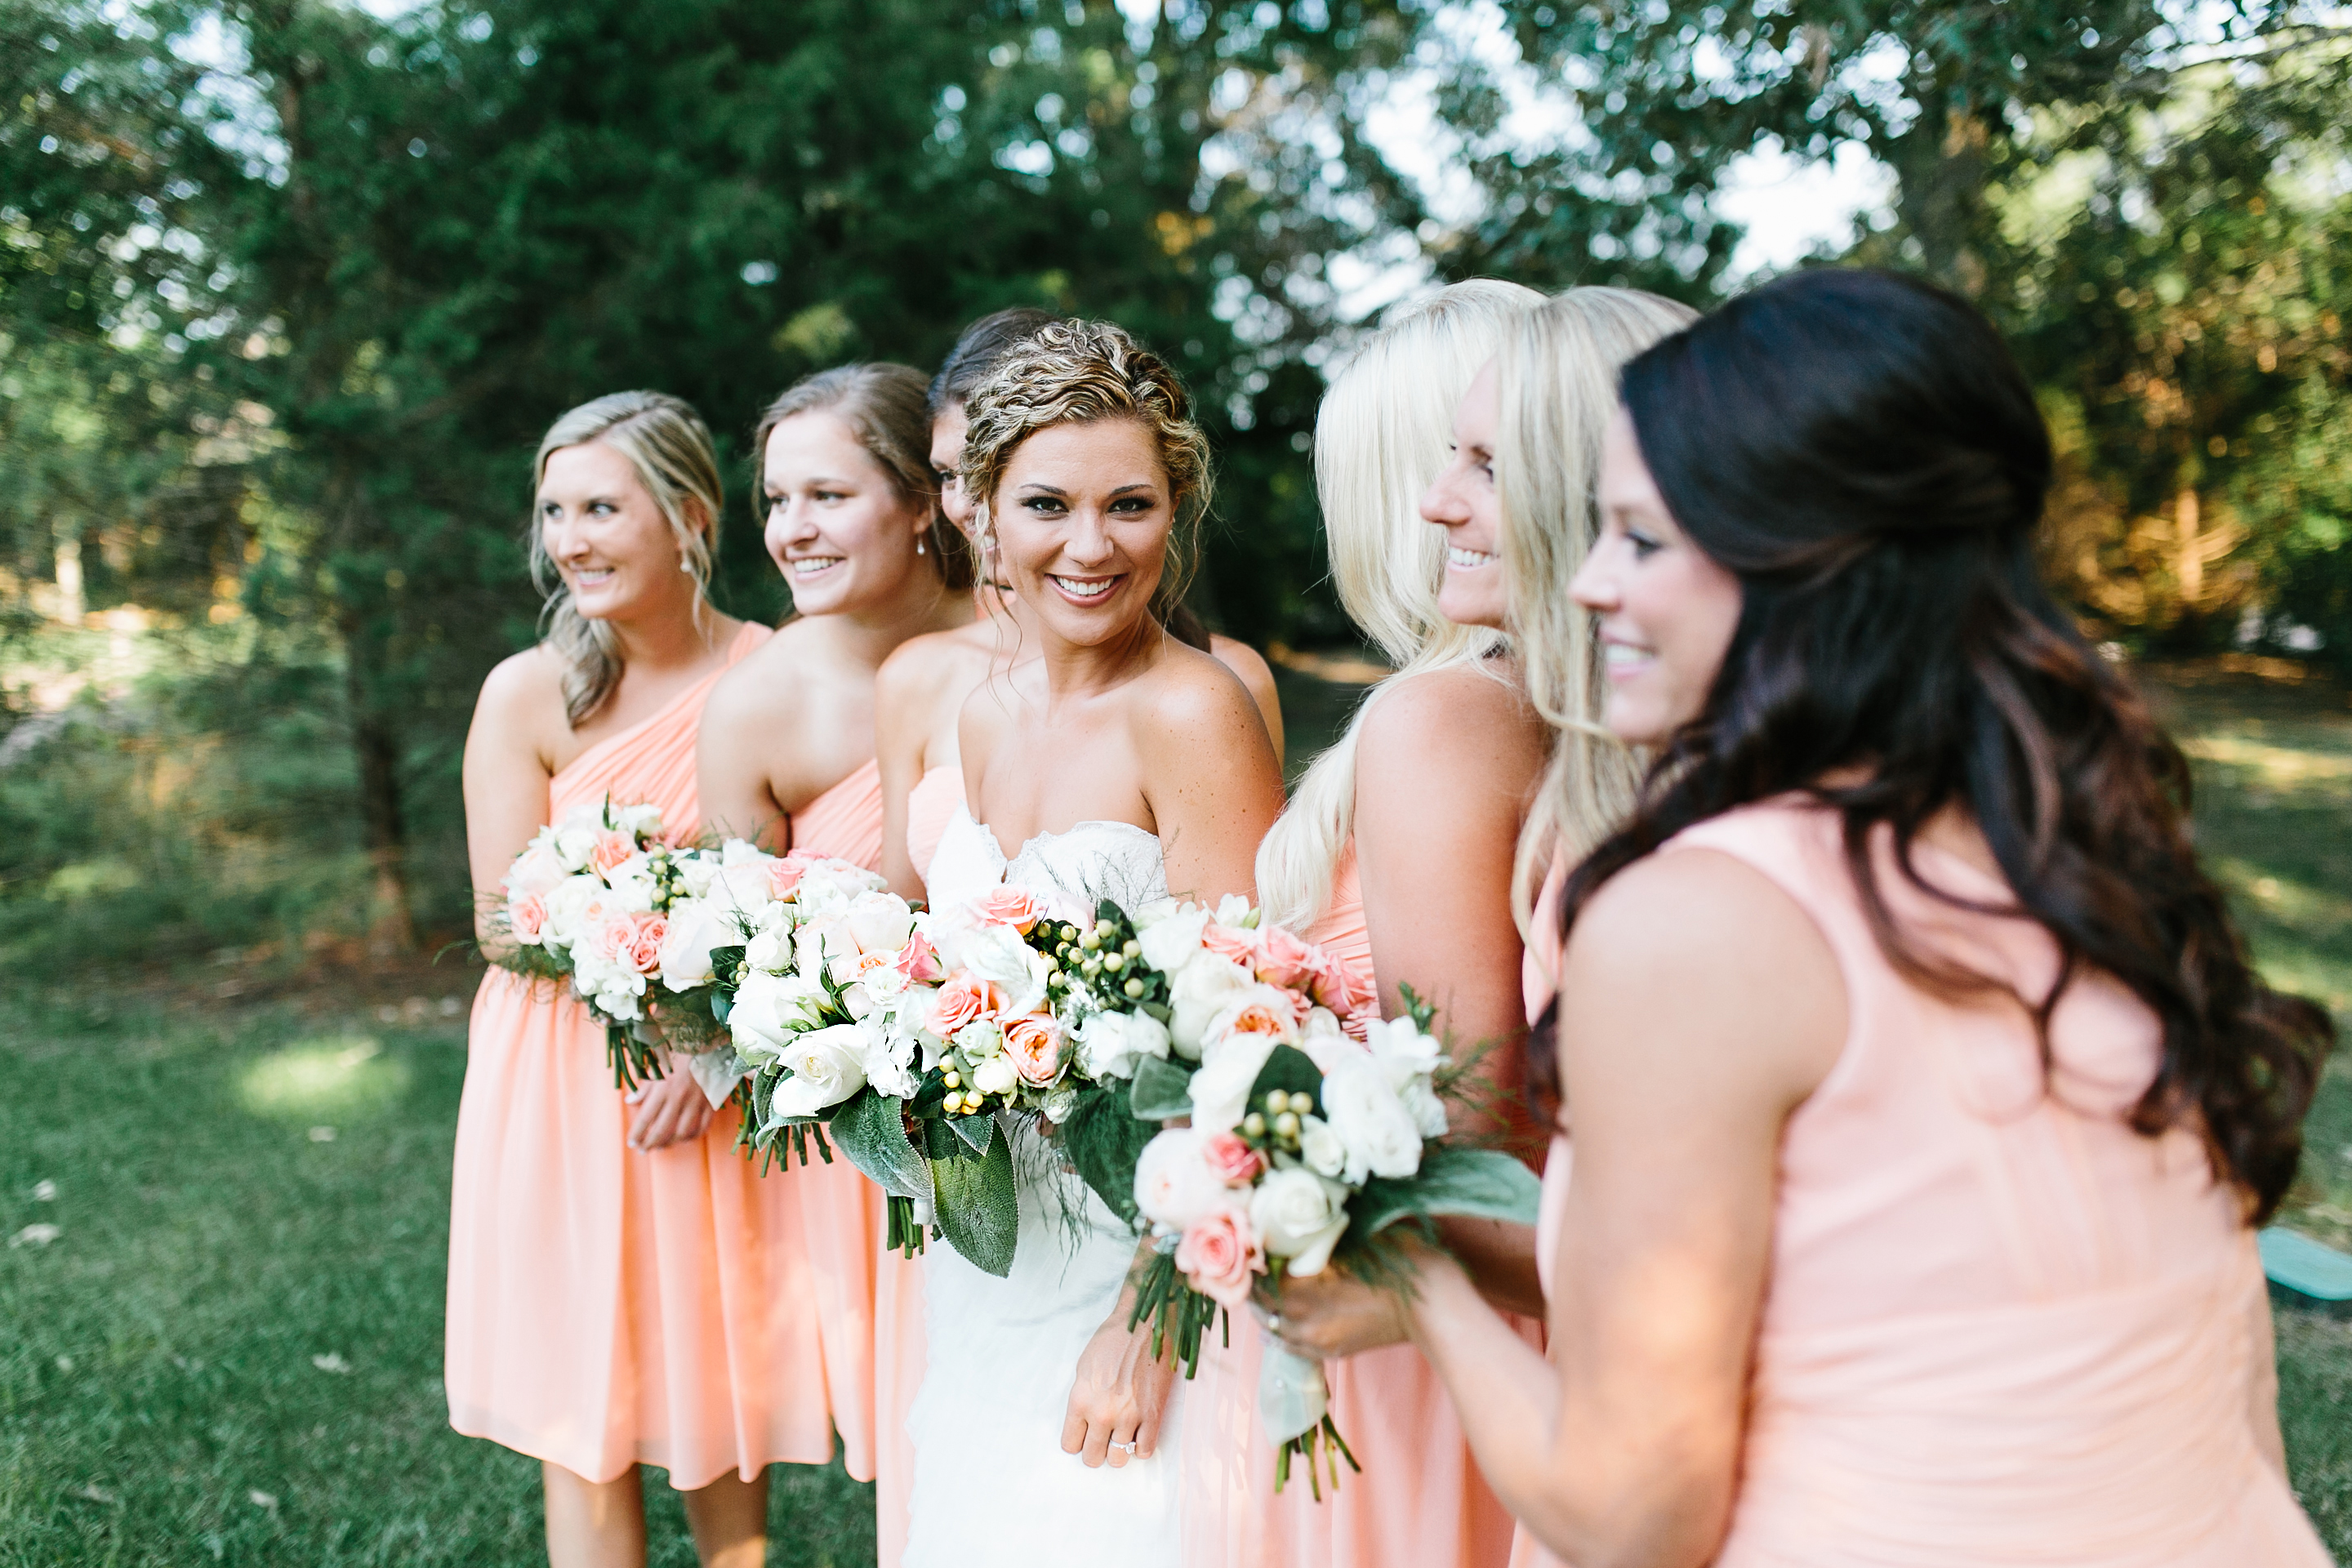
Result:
{"points": [[1861, 451]]}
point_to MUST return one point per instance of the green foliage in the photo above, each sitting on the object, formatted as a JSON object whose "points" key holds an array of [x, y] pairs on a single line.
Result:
{"points": [[977, 1206]]}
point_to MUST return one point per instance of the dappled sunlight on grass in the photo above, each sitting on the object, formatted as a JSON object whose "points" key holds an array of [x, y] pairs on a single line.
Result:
{"points": [[340, 1075]]}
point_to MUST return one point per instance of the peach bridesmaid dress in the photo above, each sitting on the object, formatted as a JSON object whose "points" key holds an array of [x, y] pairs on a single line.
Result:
{"points": [[871, 1305], [1420, 1501], [931, 805], [2002, 1327], [607, 1307]]}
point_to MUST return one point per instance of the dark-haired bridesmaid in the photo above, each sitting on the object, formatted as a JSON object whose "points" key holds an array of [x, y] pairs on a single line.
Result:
{"points": [[1924, 1098]]}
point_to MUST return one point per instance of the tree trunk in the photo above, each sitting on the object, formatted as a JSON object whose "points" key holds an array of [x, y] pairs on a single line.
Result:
{"points": [[375, 748], [2190, 547]]}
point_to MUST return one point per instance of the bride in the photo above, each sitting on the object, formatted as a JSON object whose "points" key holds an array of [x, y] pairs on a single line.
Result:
{"points": [[1123, 765]]}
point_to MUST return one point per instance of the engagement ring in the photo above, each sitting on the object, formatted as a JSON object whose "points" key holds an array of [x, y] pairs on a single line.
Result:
{"points": [[1124, 1447]]}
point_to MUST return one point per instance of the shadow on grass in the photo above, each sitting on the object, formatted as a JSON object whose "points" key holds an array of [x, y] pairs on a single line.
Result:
{"points": [[231, 1350]]}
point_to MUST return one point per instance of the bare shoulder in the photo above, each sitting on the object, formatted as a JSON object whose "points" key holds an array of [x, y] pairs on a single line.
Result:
{"points": [[1244, 660], [1693, 941], [1188, 697], [930, 664], [523, 690], [1448, 708], [765, 685]]}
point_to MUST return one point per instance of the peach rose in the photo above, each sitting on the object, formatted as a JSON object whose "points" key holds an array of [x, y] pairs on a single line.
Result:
{"points": [[528, 917], [1231, 942], [1015, 906], [1219, 1256], [1340, 988], [611, 850], [1234, 1162], [918, 961], [1035, 1044], [785, 875], [1273, 1013], [963, 1000], [1283, 959]]}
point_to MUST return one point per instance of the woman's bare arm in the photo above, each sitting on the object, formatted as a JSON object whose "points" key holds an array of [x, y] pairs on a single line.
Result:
{"points": [[506, 774], [907, 706], [1210, 776]]}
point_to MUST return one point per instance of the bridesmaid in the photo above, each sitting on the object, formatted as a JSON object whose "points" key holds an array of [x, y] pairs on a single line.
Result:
{"points": [[922, 686], [1400, 847], [788, 754], [1919, 1229], [609, 1308]]}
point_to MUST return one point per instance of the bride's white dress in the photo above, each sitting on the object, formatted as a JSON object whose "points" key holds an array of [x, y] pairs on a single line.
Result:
{"points": [[992, 1485]]}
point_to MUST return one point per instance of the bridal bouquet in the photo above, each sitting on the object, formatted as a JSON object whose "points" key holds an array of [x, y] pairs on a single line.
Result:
{"points": [[1306, 1145], [588, 901]]}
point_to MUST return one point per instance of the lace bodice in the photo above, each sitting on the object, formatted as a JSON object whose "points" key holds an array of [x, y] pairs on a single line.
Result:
{"points": [[1091, 862]]}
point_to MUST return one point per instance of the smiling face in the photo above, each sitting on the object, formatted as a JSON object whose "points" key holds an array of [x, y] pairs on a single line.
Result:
{"points": [[1464, 502], [607, 537], [837, 527], [946, 466], [1082, 514], [1667, 611]]}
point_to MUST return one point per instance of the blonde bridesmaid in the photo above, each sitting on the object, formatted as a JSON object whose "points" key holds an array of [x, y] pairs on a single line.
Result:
{"points": [[923, 685], [788, 755], [622, 1289], [1919, 1229]]}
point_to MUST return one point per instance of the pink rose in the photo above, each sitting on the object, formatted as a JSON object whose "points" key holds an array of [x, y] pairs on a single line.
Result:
{"points": [[646, 942], [964, 999], [1340, 988], [1283, 959], [527, 916], [918, 961], [1035, 1044], [1219, 1256], [785, 875], [1230, 941], [1014, 907], [1234, 1162], [611, 850]]}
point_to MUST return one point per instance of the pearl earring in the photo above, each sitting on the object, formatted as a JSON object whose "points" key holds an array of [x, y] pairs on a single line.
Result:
{"points": [[922, 549], [686, 565]]}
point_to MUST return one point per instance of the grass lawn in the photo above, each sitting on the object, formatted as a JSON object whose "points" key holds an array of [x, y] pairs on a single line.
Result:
{"points": [[230, 1352]]}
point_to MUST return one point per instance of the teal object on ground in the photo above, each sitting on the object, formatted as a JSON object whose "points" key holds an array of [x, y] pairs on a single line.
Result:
{"points": [[2306, 1273]]}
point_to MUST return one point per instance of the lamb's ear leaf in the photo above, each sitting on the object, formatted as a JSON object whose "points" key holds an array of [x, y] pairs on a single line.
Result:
{"points": [[867, 1128], [976, 1208], [1163, 1090], [1481, 1183]]}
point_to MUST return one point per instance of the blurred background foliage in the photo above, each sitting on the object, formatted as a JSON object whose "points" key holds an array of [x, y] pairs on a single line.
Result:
{"points": [[289, 289]]}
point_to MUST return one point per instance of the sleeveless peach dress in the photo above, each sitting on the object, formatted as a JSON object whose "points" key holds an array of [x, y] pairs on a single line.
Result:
{"points": [[931, 805], [1420, 1502], [2002, 1327], [607, 1307], [871, 1307]]}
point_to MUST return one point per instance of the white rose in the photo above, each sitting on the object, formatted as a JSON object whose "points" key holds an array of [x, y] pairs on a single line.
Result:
{"points": [[1173, 1185], [574, 842], [1408, 1058], [1197, 991], [1323, 1040], [571, 905], [995, 1076], [1171, 937], [536, 870], [1299, 1215], [769, 949], [633, 884], [821, 894], [827, 1067], [1235, 910], [1320, 1147], [1221, 1087], [637, 821], [999, 954], [1381, 1135], [979, 1039], [880, 922], [889, 1062], [1110, 1044], [770, 1012], [694, 928], [697, 871]]}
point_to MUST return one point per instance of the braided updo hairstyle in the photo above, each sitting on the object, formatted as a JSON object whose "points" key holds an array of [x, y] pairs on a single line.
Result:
{"points": [[1077, 373]]}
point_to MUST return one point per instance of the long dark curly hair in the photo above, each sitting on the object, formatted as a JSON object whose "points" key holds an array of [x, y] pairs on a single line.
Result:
{"points": [[1859, 450]]}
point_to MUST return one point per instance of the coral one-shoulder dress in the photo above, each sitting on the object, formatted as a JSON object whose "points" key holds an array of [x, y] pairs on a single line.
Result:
{"points": [[2001, 1326], [871, 1300], [1420, 1502], [608, 1307]]}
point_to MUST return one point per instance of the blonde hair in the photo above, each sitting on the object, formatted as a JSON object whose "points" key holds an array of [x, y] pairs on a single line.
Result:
{"points": [[1556, 379], [885, 407], [1076, 373], [1382, 436], [668, 446]]}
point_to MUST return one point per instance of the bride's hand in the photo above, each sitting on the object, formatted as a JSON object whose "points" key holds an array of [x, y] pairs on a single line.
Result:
{"points": [[1120, 1395]]}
